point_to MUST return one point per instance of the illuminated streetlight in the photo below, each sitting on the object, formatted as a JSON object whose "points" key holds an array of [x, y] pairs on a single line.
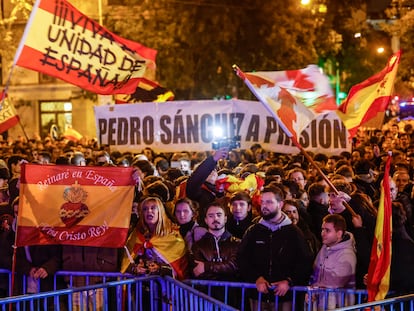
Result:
{"points": [[380, 50], [305, 2]]}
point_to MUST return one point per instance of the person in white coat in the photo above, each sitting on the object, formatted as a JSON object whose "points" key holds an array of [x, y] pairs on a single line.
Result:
{"points": [[335, 264]]}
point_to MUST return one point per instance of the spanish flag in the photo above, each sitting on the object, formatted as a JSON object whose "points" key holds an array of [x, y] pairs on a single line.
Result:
{"points": [[8, 115], [369, 98], [148, 91], [74, 205], [170, 248], [72, 134], [62, 42], [380, 263]]}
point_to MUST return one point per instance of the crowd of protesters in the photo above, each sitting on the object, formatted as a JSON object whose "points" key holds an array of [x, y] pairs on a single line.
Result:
{"points": [[222, 206]]}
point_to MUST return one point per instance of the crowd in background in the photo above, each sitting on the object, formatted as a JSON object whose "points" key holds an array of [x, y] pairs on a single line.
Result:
{"points": [[221, 203]]}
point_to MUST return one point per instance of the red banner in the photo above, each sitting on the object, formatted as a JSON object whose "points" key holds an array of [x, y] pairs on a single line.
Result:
{"points": [[75, 205]]}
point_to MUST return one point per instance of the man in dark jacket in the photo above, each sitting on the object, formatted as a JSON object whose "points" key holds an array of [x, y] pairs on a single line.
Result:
{"points": [[240, 217], [215, 254], [273, 253]]}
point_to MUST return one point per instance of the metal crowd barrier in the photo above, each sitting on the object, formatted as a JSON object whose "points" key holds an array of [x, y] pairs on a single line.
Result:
{"points": [[301, 297], [118, 291], [133, 294], [401, 303]]}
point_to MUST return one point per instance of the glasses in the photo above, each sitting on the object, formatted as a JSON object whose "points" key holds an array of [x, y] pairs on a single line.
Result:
{"points": [[297, 179]]}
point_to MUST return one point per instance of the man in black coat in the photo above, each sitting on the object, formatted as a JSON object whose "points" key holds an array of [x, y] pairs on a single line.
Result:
{"points": [[273, 253], [240, 217], [215, 254]]}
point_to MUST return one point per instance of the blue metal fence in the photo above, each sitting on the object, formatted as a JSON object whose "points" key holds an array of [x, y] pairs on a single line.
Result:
{"points": [[117, 291], [401, 303], [149, 293], [300, 297]]}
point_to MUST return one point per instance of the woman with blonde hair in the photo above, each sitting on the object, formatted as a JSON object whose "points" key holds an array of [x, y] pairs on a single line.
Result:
{"points": [[155, 246]]}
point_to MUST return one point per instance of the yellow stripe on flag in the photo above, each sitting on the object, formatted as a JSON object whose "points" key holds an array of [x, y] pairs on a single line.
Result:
{"points": [[45, 207]]}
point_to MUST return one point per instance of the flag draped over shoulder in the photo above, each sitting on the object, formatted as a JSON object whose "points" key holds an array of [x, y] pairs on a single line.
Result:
{"points": [[293, 97], [170, 248], [75, 205], [369, 98], [8, 115], [62, 42], [146, 91], [380, 263]]}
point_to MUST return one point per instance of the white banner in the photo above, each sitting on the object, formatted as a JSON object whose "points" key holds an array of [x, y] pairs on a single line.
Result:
{"points": [[176, 126]]}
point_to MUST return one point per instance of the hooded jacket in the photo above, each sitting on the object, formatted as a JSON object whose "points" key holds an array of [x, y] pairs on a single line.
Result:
{"points": [[276, 252], [335, 266]]}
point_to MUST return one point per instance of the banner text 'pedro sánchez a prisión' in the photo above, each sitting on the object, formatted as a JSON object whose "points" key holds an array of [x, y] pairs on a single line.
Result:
{"points": [[192, 126]]}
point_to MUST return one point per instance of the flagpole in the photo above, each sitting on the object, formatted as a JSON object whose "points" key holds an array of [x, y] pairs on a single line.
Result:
{"points": [[316, 166], [241, 74], [24, 131], [13, 271]]}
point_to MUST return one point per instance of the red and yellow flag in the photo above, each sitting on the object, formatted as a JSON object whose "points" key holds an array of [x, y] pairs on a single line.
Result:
{"points": [[8, 115], [62, 42], [293, 97], [369, 98], [72, 134], [170, 248], [380, 264], [76, 205]]}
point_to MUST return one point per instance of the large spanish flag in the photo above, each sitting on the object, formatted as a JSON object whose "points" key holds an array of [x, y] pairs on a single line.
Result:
{"points": [[170, 248], [76, 205], [62, 42], [380, 263], [369, 98]]}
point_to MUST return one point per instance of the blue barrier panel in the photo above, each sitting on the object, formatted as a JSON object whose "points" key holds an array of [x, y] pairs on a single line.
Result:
{"points": [[87, 297], [300, 297], [401, 303], [149, 293], [183, 297], [127, 292]]}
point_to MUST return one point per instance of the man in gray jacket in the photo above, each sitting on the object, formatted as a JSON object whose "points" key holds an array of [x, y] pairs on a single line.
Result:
{"points": [[335, 263]]}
